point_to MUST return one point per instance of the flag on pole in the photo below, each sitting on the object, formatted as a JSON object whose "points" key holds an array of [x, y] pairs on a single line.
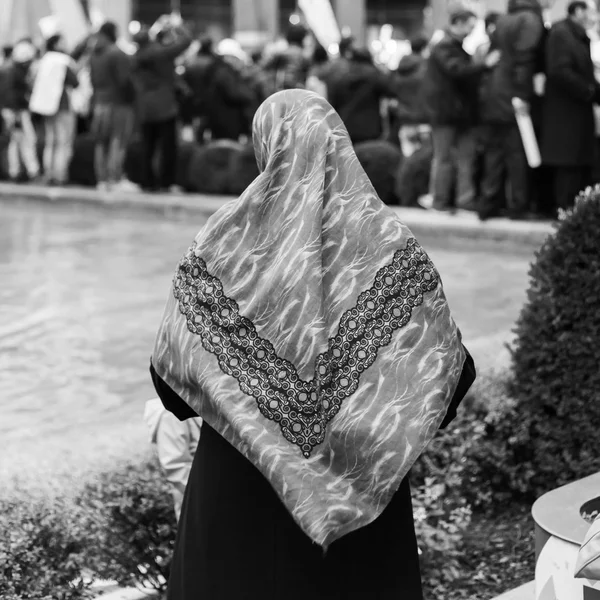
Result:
{"points": [[321, 19]]}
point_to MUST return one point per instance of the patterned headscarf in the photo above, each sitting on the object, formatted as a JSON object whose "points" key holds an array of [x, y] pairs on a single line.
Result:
{"points": [[308, 327]]}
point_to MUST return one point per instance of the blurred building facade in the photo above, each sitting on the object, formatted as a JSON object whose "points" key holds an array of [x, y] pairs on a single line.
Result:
{"points": [[222, 18]]}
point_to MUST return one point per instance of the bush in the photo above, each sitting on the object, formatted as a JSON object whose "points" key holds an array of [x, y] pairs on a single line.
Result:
{"points": [[244, 170], [380, 161], [413, 176], [210, 167], [130, 513], [42, 550], [550, 434], [441, 507]]}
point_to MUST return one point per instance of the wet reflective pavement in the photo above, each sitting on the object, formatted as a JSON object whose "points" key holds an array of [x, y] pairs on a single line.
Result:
{"points": [[81, 294]]}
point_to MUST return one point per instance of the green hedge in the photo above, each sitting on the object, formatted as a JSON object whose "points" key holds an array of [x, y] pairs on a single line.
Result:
{"points": [[550, 434], [130, 516], [43, 547]]}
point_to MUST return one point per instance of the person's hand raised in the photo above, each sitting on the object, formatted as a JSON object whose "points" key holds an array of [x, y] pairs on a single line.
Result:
{"points": [[492, 59]]}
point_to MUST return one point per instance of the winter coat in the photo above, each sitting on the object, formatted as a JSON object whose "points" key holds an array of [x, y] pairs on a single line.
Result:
{"points": [[112, 75], [450, 84], [156, 82], [520, 37], [228, 98], [196, 77], [409, 79], [176, 442], [571, 90], [290, 68], [357, 95], [18, 86]]}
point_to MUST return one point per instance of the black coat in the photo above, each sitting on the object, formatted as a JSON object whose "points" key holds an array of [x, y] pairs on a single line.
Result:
{"points": [[519, 36], [409, 77], [450, 84], [228, 98], [356, 95], [568, 129]]}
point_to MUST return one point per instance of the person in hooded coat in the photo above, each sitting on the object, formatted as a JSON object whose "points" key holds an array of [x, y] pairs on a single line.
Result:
{"points": [[310, 331]]}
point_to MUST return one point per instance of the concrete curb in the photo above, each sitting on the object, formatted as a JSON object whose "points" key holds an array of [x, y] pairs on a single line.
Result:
{"points": [[463, 225], [112, 591], [524, 592]]}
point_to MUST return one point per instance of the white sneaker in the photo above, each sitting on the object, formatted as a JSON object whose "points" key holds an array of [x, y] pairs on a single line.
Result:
{"points": [[102, 186], [127, 186], [426, 201]]}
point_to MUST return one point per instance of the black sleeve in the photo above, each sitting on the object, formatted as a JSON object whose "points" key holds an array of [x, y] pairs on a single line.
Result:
{"points": [[466, 380], [170, 399]]}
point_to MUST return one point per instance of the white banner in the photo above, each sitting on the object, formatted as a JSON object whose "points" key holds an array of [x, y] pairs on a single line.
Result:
{"points": [[321, 19], [555, 574], [73, 23]]}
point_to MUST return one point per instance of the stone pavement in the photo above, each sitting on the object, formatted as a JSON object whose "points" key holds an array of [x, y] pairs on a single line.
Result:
{"points": [[463, 224]]}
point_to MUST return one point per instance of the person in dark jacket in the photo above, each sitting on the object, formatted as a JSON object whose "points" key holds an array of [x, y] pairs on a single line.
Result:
{"points": [[568, 114], [17, 83], [154, 69], [411, 115], [196, 76], [290, 67], [357, 94], [450, 98], [518, 37], [113, 119], [228, 98]]}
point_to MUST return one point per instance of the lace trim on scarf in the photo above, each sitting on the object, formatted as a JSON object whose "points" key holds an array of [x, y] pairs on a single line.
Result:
{"points": [[303, 409]]}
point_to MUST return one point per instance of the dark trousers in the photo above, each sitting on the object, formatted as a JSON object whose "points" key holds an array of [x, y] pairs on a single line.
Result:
{"points": [[568, 182], [504, 162], [160, 139], [452, 166]]}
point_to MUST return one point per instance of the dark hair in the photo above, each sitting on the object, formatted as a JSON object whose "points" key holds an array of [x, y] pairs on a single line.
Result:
{"points": [[109, 30], [461, 16], [362, 55], [295, 35], [346, 44], [491, 18], [52, 42], [7, 51], [206, 46], [418, 43], [573, 7], [256, 56], [320, 55], [142, 37]]}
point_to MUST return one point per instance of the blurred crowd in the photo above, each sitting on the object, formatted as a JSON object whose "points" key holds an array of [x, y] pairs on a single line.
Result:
{"points": [[456, 108]]}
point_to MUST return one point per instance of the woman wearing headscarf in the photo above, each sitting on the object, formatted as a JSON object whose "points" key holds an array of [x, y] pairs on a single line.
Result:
{"points": [[310, 331]]}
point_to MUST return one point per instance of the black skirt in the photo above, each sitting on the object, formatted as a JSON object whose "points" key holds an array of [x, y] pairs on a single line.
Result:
{"points": [[237, 541]]}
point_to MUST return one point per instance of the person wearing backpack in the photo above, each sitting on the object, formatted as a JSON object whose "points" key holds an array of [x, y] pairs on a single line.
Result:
{"points": [[114, 95], [55, 78]]}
